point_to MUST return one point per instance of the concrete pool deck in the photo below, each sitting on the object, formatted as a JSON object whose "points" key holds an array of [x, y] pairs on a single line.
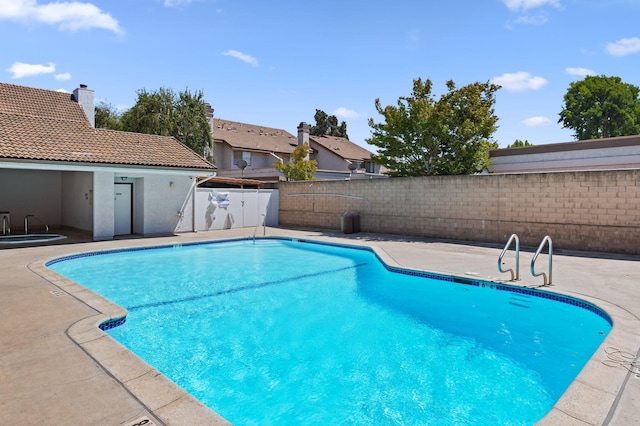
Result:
{"points": [[57, 367]]}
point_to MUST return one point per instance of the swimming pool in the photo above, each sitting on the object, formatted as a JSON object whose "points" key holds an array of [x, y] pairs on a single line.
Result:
{"points": [[398, 346]]}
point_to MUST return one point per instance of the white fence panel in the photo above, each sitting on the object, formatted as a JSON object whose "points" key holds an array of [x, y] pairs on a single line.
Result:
{"points": [[227, 208]]}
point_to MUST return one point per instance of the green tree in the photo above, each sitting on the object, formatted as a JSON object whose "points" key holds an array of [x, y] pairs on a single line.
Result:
{"points": [[153, 113], [107, 117], [327, 125], [518, 144], [162, 112], [601, 107], [192, 126], [299, 168], [423, 136]]}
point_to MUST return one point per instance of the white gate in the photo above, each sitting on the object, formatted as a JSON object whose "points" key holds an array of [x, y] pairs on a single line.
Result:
{"points": [[227, 208]]}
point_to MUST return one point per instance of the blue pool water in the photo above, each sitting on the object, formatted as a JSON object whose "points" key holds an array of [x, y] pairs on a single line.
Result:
{"points": [[290, 332]]}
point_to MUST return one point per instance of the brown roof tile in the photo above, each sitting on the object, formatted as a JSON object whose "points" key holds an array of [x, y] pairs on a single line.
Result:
{"points": [[342, 147], [38, 124], [28, 101], [248, 136]]}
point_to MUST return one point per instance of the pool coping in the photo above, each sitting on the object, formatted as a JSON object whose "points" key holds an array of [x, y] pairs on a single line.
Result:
{"points": [[597, 386]]}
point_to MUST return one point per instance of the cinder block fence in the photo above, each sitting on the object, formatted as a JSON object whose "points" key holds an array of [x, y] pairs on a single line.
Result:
{"points": [[589, 210]]}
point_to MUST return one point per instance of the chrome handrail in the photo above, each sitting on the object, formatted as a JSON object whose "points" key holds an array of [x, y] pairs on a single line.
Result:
{"points": [[26, 223], [516, 276], [547, 279], [6, 226], [264, 223]]}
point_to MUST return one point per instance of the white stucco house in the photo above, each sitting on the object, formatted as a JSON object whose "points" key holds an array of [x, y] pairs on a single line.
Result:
{"points": [[55, 165]]}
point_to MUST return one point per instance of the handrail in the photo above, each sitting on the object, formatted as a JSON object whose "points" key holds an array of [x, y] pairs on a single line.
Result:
{"points": [[6, 226], [264, 220], [516, 276], [547, 279], [26, 223]]}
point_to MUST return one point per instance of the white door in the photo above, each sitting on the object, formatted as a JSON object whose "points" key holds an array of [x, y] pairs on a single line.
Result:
{"points": [[123, 208]]}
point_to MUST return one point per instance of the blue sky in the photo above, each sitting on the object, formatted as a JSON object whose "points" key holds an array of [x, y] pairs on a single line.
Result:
{"points": [[273, 63]]}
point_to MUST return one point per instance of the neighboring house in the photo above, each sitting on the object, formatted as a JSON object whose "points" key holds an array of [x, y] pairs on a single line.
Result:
{"points": [[595, 154], [339, 158], [55, 165], [261, 148]]}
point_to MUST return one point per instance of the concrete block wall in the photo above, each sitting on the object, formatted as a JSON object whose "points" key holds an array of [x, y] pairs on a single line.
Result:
{"points": [[589, 210]]}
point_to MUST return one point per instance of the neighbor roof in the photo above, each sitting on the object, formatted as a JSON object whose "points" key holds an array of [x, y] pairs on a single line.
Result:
{"points": [[342, 147], [251, 137], [46, 125]]}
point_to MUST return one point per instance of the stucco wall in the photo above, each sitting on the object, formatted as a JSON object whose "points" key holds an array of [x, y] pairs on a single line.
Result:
{"points": [[164, 197], [77, 200], [592, 210], [327, 160], [103, 205], [26, 192]]}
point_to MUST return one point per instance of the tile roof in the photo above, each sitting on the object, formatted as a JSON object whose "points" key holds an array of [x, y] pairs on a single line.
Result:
{"points": [[205, 181], [342, 147], [37, 124], [249, 136]]}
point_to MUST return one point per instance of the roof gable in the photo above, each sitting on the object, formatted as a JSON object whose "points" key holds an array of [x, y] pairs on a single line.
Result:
{"points": [[45, 125]]}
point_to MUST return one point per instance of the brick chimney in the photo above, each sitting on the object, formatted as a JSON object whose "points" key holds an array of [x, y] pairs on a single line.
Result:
{"points": [[303, 133], [85, 98], [209, 151]]}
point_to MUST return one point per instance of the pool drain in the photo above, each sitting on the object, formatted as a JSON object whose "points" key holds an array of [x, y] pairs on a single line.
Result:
{"points": [[142, 421]]}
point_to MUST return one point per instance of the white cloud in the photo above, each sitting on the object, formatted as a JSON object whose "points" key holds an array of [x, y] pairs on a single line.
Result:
{"points": [[242, 56], [519, 81], [71, 16], [62, 76], [172, 3], [580, 72], [343, 112], [518, 5], [539, 19], [62, 91], [537, 121], [413, 36], [624, 46], [19, 69]]}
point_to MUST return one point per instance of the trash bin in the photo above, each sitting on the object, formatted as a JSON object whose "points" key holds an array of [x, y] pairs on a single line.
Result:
{"points": [[346, 223], [356, 221]]}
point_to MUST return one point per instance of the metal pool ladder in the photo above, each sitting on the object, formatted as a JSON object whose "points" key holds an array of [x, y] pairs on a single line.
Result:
{"points": [[26, 223], [264, 224], [515, 276], [547, 278]]}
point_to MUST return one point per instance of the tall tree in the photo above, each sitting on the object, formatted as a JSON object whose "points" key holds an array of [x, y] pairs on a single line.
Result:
{"points": [[162, 112], [153, 113], [107, 116], [601, 107], [300, 167], [192, 126], [423, 136], [327, 125]]}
